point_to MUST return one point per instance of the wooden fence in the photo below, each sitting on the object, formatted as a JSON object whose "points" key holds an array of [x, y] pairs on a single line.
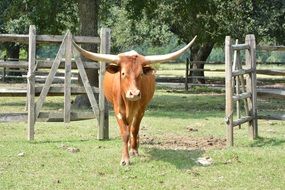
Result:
{"points": [[64, 60], [211, 81], [214, 74], [240, 88]]}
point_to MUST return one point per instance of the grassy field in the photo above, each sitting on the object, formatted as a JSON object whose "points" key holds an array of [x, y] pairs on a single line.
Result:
{"points": [[178, 128]]}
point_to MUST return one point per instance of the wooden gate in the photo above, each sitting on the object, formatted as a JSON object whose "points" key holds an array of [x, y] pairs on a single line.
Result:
{"points": [[240, 88], [69, 59]]}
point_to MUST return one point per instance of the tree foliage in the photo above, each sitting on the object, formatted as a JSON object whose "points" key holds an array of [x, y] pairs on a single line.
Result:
{"points": [[155, 26], [144, 35], [49, 16], [212, 20]]}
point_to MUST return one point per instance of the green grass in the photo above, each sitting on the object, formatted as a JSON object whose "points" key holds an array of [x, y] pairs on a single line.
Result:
{"points": [[47, 164]]}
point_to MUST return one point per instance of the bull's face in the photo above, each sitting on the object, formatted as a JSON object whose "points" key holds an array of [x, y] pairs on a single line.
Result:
{"points": [[132, 68]]}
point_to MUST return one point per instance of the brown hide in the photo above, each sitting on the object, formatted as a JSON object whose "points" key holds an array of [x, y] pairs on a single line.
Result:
{"points": [[129, 76]]}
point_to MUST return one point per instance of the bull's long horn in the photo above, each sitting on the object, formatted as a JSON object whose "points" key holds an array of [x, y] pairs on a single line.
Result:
{"points": [[170, 56], [97, 56]]}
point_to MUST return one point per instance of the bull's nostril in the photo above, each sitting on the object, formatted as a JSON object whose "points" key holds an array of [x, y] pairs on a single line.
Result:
{"points": [[133, 94]]}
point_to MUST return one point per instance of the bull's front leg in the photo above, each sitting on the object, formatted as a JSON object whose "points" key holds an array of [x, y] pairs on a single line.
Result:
{"points": [[134, 140], [125, 135]]}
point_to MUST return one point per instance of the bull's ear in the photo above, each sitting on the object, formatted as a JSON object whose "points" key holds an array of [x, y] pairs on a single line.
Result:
{"points": [[113, 68], [148, 70]]}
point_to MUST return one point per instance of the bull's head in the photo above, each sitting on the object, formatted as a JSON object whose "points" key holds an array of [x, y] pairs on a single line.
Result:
{"points": [[132, 67]]}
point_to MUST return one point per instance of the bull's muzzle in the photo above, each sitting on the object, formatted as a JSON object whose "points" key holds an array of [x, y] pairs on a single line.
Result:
{"points": [[133, 95]]}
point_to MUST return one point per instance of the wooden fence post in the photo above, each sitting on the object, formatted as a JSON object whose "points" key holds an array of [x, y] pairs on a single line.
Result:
{"points": [[4, 71], [67, 80], [103, 133], [236, 63], [31, 82], [250, 62], [187, 73], [229, 91]]}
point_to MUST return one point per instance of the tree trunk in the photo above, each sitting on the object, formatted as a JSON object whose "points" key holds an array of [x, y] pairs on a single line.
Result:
{"points": [[88, 19], [199, 55]]}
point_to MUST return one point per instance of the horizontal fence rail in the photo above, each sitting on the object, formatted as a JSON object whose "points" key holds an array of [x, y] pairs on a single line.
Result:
{"points": [[23, 38], [46, 64]]}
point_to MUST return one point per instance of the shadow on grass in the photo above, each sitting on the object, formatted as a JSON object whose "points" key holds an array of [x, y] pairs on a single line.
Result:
{"points": [[181, 159], [262, 141]]}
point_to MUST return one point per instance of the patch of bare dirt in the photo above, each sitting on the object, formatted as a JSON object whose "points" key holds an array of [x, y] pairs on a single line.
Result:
{"points": [[184, 143]]}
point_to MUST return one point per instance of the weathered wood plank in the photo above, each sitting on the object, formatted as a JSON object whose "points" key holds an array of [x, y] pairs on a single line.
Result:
{"points": [[86, 83], [48, 64], [271, 48], [31, 82], [241, 80], [59, 116], [241, 96], [46, 116], [14, 64], [24, 38], [50, 77], [254, 84], [4, 75], [13, 91], [236, 63], [59, 38], [229, 91], [251, 84], [242, 71], [235, 57], [212, 70], [240, 46], [279, 92], [103, 132], [13, 117], [271, 72], [21, 38], [187, 73], [53, 91], [272, 117], [23, 71], [67, 80], [242, 120]]}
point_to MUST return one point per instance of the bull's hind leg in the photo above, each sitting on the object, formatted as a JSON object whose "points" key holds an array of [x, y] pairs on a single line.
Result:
{"points": [[134, 140]]}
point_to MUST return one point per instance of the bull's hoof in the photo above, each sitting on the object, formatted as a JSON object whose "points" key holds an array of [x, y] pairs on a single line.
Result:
{"points": [[134, 152], [125, 162]]}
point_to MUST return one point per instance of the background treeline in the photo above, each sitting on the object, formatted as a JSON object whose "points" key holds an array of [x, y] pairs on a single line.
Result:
{"points": [[153, 26]]}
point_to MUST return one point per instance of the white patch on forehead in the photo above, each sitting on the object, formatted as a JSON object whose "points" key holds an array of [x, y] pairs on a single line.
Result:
{"points": [[130, 53], [119, 116]]}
